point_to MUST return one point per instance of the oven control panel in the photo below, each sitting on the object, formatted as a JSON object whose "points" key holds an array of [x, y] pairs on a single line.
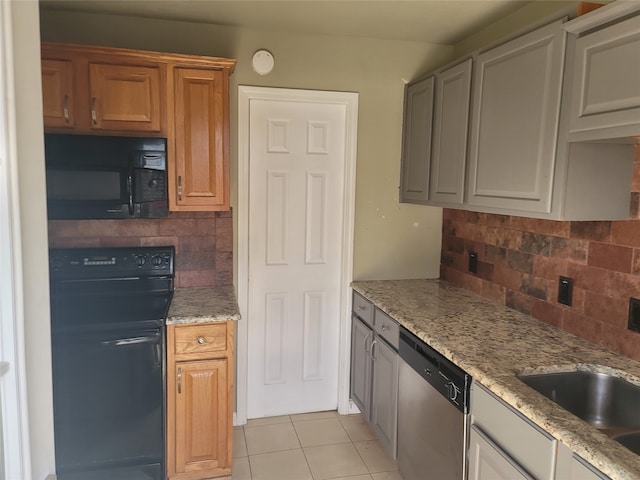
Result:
{"points": [[79, 263]]}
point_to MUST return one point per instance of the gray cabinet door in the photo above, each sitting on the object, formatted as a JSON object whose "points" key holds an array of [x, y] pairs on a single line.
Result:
{"points": [[488, 462], [384, 404], [606, 85], [450, 129], [416, 142], [361, 366], [514, 126]]}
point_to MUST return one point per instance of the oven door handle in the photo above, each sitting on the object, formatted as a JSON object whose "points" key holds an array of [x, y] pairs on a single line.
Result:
{"points": [[132, 340]]}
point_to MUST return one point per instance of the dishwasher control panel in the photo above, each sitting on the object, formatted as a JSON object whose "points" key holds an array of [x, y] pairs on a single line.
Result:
{"points": [[447, 378]]}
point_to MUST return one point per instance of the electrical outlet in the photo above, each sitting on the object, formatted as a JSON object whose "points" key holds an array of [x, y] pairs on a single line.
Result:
{"points": [[634, 314], [473, 262], [565, 290]]}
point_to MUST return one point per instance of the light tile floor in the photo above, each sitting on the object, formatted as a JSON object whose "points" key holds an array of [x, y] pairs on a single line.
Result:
{"points": [[310, 446]]}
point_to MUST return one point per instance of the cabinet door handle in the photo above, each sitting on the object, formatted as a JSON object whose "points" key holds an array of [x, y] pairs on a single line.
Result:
{"points": [[179, 380], [65, 108], [180, 187], [364, 342], [94, 117], [373, 344]]}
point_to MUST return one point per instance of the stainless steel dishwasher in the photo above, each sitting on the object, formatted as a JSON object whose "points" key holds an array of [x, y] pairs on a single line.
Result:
{"points": [[433, 407]]}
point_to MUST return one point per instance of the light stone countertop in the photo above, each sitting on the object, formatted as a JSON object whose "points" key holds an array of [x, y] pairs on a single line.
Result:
{"points": [[492, 343], [203, 305]]}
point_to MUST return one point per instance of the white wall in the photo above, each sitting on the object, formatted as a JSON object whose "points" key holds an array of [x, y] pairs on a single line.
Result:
{"points": [[33, 226], [391, 240]]}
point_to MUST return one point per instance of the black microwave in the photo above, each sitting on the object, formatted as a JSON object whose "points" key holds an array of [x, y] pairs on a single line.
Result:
{"points": [[91, 177]]}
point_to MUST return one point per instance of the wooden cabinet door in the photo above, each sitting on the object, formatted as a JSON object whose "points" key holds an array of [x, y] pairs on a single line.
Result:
{"points": [[451, 125], [488, 462], [514, 128], [384, 402], [606, 84], [201, 420], [416, 142], [57, 93], [125, 97], [361, 338], [200, 180]]}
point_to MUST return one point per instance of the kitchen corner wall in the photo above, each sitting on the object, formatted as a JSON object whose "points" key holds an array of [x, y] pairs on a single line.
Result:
{"points": [[520, 260], [203, 241]]}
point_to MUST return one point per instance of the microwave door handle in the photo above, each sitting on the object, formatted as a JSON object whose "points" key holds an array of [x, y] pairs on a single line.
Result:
{"points": [[130, 193]]}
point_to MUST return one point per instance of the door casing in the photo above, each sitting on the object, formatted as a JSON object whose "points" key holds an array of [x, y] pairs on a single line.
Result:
{"points": [[350, 100]]}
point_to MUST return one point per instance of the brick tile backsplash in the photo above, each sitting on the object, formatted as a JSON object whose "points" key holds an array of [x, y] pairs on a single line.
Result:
{"points": [[203, 241], [520, 260]]}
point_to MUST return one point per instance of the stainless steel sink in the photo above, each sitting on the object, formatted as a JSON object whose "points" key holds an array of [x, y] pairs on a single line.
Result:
{"points": [[602, 400], [630, 440], [605, 401]]}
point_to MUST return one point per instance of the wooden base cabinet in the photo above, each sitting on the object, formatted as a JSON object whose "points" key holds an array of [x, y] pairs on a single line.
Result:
{"points": [[199, 400]]}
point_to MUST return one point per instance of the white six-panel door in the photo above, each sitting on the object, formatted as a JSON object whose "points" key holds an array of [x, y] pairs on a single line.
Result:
{"points": [[295, 248]]}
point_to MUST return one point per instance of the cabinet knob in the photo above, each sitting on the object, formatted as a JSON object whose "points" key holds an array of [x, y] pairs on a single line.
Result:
{"points": [[201, 340], [384, 328]]}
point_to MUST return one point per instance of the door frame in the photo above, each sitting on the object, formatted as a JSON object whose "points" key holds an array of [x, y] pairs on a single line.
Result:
{"points": [[15, 454], [350, 100]]}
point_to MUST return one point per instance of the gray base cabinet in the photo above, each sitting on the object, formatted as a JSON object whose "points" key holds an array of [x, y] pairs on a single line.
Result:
{"points": [[384, 411], [361, 365], [515, 445], [374, 370], [487, 461]]}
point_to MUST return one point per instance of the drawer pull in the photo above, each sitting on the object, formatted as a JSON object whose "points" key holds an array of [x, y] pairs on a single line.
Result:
{"points": [[201, 340], [362, 307], [384, 328]]}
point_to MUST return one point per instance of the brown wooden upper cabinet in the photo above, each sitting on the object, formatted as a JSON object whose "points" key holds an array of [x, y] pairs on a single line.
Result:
{"points": [[57, 93], [124, 97], [115, 91], [92, 90], [201, 139]]}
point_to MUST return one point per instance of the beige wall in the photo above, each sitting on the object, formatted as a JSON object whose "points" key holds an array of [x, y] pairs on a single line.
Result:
{"points": [[33, 232], [391, 240], [522, 19]]}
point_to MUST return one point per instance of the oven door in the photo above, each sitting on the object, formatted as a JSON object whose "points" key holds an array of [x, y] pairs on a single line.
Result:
{"points": [[121, 375]]}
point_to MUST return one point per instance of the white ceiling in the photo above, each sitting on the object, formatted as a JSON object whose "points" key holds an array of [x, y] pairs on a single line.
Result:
{"points": [[431, 21]]}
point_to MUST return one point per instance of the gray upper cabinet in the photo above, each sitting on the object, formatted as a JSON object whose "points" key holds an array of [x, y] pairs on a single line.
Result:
{"points": [[416, 142], [606, 85], [450, 129], [514, 128]]}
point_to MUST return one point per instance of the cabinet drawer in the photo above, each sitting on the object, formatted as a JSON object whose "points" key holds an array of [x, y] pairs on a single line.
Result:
{"points": [[387, 328], [363, 308], [526, 443], [201, 340]]}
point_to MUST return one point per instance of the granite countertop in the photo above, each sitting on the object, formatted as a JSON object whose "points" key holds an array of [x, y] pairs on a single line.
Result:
{"points": [[493, 343], [203, 305]]}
